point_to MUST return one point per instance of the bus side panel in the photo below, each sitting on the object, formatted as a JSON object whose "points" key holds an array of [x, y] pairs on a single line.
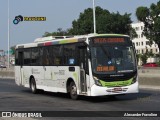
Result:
{"points": [[55, 78], [17, 75], [21, 76], [50, 80], [38, 73], [75, 75], [64, 75], [26, 75], [59, 77]]}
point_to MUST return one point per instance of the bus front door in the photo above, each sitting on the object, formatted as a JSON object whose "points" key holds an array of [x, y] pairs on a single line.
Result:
{"points": [[83, 68]]}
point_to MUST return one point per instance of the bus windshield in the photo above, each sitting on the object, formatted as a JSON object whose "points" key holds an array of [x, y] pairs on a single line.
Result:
{"points": [[112, 59]]}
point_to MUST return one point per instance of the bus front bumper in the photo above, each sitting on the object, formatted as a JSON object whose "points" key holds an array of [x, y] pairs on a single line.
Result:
{"points": [[102, 91]]}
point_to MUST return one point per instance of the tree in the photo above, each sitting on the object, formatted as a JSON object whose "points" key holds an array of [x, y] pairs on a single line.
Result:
{"points": [[144, 58], [133, 34], [106, 22], [46, 34], [84, 24], [138, 56], [151, 19], [59, 32]]}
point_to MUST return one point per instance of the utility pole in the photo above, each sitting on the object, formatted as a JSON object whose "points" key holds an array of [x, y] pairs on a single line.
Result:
{"points": [[94, 16], [8, 36]]}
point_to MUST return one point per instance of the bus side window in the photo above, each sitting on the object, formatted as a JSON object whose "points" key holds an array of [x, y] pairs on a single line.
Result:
{"points": [[16, 58], [35, 56], [69, 54], [41, 56], [46, 56], [56, 55], [27, 56]]}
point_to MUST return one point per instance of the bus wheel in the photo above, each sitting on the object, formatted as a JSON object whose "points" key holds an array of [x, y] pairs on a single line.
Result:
{"points": [[73, 91], [33, 86]]}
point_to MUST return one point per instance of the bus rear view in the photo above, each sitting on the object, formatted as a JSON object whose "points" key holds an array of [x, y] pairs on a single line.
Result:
{"points": [[113, 63]]}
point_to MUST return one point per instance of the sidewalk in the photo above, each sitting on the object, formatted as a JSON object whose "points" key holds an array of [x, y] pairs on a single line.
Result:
{"points": [[149, 87]]}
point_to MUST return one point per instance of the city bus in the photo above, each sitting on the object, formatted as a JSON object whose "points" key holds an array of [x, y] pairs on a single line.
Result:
{"points": [[89, 65]]}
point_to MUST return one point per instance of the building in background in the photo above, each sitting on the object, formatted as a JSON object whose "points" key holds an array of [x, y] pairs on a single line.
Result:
{"points": [[142, 44]]}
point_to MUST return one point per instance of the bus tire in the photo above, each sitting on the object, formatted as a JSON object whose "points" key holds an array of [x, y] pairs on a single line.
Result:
{"points": [[33, 86], [73, 91]]}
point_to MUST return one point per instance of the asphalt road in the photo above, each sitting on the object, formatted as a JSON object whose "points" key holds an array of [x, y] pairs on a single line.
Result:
{"points": [[15, 98]]}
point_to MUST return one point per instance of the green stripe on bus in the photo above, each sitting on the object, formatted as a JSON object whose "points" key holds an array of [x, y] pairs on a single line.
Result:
{"points": [[117, 83], [75, 76]]}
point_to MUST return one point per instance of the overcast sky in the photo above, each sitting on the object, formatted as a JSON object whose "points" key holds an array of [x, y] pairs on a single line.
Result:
{"points": [[59, 14]]}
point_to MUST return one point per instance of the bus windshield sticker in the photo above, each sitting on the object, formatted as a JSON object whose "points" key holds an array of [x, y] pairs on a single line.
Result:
{"points": [[71, 61]]}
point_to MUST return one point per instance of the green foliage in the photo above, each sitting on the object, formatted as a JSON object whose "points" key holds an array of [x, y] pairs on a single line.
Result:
{"points": [[151, 19], [46, 34], [142, 57], [84, 24], [142, 13], [59, 32], [138, 57], [133, 34], [158, 62], [145, 56], [106, 22]]}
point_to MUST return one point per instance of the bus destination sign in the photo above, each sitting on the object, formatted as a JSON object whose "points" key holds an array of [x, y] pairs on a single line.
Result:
{"points": [[108, 40], [105, 68]]}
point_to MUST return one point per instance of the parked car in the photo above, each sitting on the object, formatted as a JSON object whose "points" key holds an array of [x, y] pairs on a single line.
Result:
{"points": [[2, 66], [150, 65]]}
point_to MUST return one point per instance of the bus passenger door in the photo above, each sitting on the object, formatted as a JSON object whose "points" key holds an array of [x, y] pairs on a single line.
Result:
{"points": [[83, 63], [21, 56]]}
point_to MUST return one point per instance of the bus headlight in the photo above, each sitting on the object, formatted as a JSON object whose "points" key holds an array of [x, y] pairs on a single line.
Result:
{"points": [[97, 82]]}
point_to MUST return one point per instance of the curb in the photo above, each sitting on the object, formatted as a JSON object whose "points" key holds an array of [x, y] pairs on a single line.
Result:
{"points": [[7, 74], [149, 87]]}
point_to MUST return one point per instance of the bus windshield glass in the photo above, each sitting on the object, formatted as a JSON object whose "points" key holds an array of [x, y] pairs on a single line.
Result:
{"points": [[112, 55]]}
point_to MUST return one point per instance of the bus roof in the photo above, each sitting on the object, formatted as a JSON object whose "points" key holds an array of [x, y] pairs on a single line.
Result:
{"points": [[53, 40], [122, 35], [49, 38], [98, 35]]}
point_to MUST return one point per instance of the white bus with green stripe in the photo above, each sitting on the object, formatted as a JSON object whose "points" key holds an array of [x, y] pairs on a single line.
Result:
{"points": [[89, 65]]}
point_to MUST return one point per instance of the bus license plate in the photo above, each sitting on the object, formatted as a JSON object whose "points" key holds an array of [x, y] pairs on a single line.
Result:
{"points": [[117, 89]]}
